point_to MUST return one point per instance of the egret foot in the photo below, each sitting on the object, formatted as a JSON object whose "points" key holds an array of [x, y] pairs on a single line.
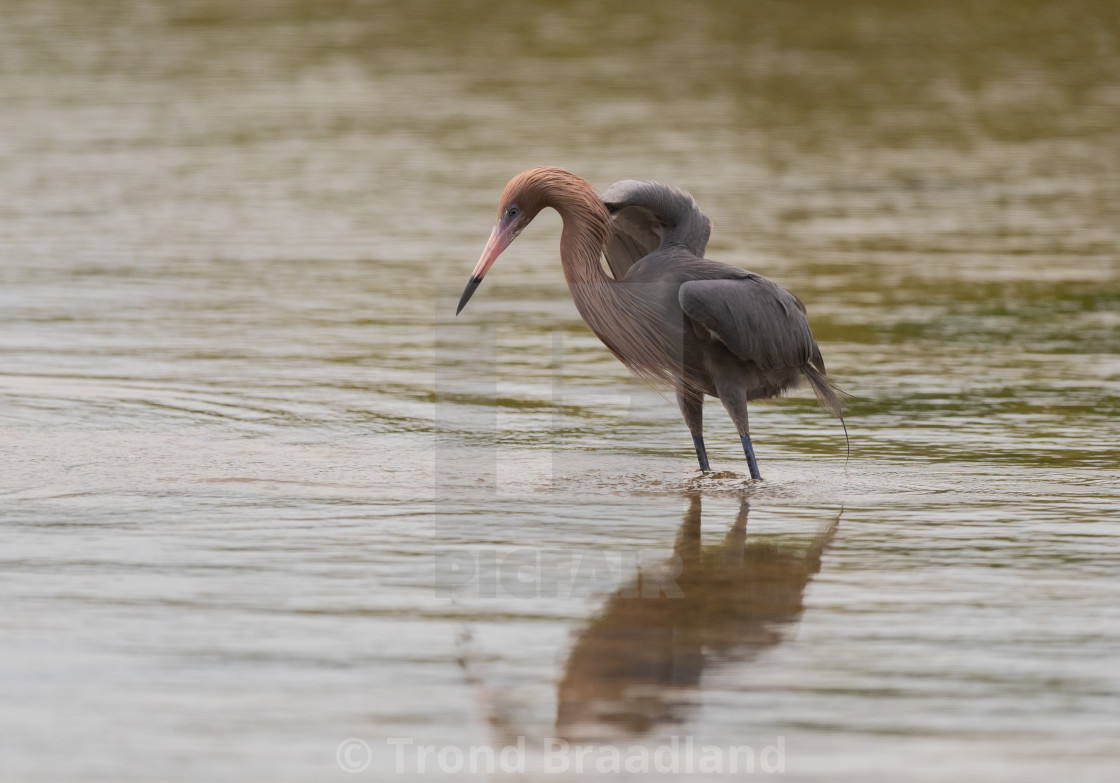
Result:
{"points": [[701, 454], [752, 463]]}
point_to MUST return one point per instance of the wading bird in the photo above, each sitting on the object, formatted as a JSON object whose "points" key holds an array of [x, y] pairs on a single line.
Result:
{"points": [[673, 317]]}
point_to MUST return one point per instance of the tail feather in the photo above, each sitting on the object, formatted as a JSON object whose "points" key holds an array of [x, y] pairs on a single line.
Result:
{"points": [[829, 398], [827, 394]]}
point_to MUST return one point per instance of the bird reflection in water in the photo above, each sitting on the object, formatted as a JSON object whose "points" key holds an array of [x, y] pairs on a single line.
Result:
{"points": [[633, 668]]}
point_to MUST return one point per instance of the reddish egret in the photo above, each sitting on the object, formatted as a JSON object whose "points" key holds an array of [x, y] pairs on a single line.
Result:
{"points": [[672, 316]]}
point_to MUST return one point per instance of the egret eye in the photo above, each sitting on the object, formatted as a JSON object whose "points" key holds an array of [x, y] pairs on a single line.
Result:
{"points": [[513, 212]]}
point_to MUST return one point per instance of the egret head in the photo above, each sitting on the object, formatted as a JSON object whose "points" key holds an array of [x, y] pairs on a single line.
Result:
{"points": [[523, 198]]}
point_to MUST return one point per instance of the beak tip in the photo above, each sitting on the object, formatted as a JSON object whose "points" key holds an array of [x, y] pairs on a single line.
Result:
{"points": [[472, 286]]}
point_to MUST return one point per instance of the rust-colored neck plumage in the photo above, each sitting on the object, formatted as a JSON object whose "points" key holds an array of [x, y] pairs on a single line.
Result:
{"points": [[587, 224], [627, 321]]}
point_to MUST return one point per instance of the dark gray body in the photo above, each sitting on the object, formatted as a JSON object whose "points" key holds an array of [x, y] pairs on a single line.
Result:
{"points": [[741, 336]]}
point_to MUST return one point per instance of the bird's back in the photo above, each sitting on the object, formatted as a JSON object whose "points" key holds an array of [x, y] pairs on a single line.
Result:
{"points": [[646, 216], [716, 312]]}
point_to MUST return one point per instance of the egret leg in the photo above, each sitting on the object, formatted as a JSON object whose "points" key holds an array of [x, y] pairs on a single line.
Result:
{"points": [[701, 454], [692, 408], [734, 400], [748, 449]]}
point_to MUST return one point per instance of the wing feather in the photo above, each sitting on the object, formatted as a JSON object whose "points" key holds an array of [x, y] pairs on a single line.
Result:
{"points": [[648, 215], [635, 233], [757, 319]]}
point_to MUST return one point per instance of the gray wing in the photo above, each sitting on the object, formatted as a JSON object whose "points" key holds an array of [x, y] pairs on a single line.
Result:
{"points": [[635, 233], [645, 215], [757, 319]]}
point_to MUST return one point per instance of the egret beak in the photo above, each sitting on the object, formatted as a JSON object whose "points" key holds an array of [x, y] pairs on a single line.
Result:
{"points": [[500, 238]]}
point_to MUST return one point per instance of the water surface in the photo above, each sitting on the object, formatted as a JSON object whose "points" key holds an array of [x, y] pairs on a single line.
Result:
{"points": [[247, 449]]}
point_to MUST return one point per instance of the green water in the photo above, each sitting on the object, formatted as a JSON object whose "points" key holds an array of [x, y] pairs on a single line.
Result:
{"points": [[262, 493]]}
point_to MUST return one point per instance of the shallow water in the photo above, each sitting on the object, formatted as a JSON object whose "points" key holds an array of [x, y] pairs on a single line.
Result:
{"points": [[263, 494]]}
